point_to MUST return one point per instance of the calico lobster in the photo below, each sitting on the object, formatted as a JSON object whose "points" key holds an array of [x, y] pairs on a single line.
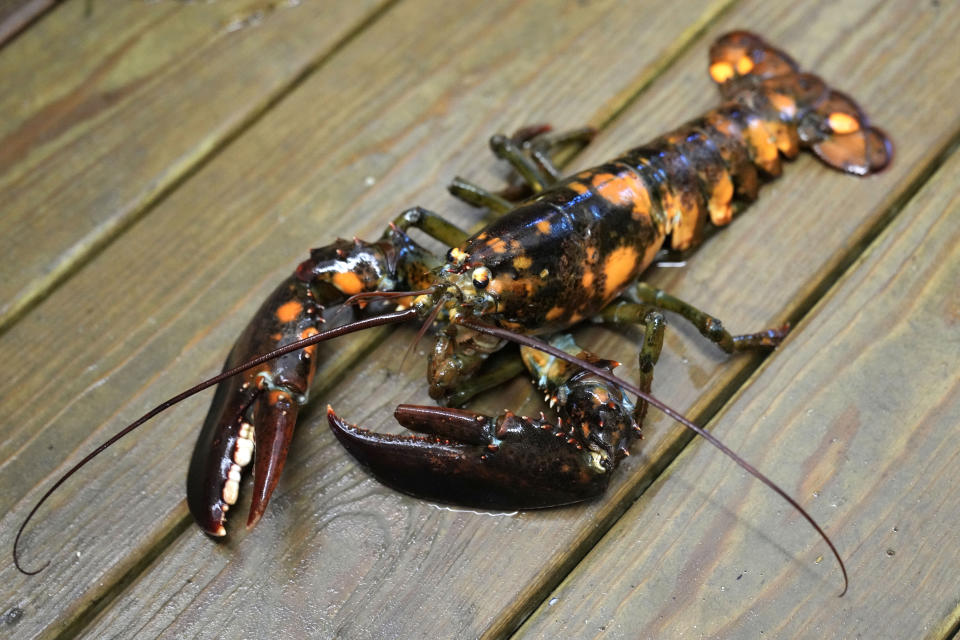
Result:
{"points": [[560, 251]]}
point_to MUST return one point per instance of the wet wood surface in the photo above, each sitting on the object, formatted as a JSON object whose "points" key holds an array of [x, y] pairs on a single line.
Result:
{"points": [[166, 163]]}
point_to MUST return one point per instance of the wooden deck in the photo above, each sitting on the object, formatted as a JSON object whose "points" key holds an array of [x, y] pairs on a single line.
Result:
{"points": [[164, 164]]}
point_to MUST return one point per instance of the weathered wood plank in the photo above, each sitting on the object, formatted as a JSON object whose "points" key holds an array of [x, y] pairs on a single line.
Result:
{"points": [[109, 108], [857, 415], [407, 105], [373, 563], [16, 15]]}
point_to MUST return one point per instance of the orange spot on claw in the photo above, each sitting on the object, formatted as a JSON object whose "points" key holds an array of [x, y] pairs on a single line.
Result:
{"points": [[348, 282], [289, 311]]}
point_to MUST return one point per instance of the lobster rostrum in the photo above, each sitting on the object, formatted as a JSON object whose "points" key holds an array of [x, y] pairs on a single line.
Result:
{"points": [[561, 251]]}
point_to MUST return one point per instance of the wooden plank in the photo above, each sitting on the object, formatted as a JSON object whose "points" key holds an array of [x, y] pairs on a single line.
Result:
{"points": [[875, 463], [114, 105], [17, 15], [406, 105], [373, 563]]}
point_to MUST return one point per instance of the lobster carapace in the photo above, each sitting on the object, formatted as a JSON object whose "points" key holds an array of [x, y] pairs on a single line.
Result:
{"points": [[561, 251]]}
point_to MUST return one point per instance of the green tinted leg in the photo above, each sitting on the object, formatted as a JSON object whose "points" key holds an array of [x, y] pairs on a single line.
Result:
{"points": [[505, 366], [653, 327], [507, 149], [710, 327], [432, 225], [478, 196]]}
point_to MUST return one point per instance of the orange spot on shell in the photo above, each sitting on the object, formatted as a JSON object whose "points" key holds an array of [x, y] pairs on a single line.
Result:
{"points": [[744, 65], [587, 280], [578, 187], [721, 72], [276, 337], [555, 312], [543, 227], [843, 123], [721, 212], [784, 104], [497, 245], [626, 188], [522, 262], [289, 311], [766, 155], [619, 269], [348, 282], [306, 333]]}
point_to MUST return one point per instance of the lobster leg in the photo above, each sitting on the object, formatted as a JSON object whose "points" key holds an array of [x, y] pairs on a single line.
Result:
{"points": [[477, 196], [531, 151], [431, 224], [654, 324], [505, 365], [507, 461], [709, 326]]}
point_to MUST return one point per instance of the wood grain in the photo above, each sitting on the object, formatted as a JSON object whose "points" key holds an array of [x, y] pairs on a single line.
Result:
{"points": [[116, 102], [407, 104], [373, 563], [857, 415]]}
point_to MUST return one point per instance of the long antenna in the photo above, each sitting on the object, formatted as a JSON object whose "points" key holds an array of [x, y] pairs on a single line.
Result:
{"points": [[709, 437]]}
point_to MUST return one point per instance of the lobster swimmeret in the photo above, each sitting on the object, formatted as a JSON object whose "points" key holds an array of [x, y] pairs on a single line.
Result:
{"points": [[566, 253]]}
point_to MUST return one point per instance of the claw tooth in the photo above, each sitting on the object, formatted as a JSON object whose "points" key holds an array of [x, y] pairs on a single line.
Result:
{"points": [[231, 491]]}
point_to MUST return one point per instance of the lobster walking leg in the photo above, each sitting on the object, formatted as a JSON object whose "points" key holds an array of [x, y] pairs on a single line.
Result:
{"points": [[647, 314], [709, 326], [530, 150]]}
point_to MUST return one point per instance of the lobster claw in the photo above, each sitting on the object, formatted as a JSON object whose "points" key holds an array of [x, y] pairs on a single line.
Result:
{"points": [[467, 458], [255, 411]]}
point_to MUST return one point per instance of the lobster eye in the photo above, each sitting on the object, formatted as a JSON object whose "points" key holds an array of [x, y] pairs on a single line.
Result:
{"points": [[456, 256], [481, 277]]}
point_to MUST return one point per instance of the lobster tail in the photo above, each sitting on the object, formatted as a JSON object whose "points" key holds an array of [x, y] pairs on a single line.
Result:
{"points": [[839, 133], [741, 53], [827, 122]]}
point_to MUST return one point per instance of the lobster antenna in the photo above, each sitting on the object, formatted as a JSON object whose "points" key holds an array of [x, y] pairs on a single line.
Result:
{"points": [[384, 295], [709, 437], [423, 330], [376, 321]]}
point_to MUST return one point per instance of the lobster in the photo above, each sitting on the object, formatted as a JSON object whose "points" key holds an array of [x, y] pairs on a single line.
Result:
{"points": [[559, 251]]}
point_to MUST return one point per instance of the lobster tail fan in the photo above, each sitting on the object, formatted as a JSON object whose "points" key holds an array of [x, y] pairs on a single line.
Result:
{"points": [[741, 53], [840, 135]]}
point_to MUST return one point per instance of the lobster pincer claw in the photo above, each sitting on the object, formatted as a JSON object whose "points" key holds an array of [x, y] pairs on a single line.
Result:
{"points": [[254, 411], [470, 459]]}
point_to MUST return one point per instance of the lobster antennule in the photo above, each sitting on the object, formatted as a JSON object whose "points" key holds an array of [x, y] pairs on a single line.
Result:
{"points": [[360, 325], [607, 375]]}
